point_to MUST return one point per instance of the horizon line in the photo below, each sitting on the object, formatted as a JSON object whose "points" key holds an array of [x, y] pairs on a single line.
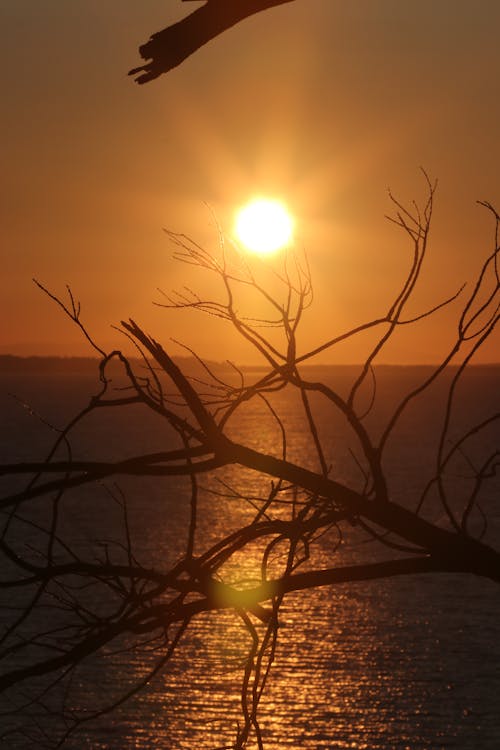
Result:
{"points": [[66, 358]]}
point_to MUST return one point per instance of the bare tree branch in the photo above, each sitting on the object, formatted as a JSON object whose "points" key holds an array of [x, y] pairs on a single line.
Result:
{"points": [[170, 47], [74, 603]]}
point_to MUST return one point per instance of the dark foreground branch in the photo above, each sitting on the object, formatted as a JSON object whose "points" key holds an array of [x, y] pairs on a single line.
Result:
{"points": [[170, 47], [221, 596]]}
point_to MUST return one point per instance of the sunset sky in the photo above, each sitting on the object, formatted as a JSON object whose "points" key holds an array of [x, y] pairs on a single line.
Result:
{"points": [[323, 104]]}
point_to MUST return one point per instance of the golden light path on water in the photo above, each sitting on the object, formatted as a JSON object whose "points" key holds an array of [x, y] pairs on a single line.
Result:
{"points": [[404, 664], [359, 666]]}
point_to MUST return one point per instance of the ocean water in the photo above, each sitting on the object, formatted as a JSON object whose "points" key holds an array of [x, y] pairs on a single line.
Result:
{"points": [[409, 663]]}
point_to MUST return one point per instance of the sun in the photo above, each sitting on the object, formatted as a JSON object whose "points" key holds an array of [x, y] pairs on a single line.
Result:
{"points": [[264, 226]]}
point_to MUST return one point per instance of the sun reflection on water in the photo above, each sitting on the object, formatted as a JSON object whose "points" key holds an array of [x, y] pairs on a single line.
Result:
{"points": [[395, 664]]}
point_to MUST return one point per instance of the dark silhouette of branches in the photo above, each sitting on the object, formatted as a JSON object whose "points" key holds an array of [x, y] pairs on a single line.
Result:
{"points": [[73, 604], [170, 47]]}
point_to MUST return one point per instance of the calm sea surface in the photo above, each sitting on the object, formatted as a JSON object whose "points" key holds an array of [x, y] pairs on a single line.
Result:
{"points": [[402, 664]]}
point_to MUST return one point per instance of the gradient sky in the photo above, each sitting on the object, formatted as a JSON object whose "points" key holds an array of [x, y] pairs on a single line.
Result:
{"points": [[322, 103]]}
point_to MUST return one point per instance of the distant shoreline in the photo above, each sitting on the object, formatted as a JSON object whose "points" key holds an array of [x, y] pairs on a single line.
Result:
{"points": [[10, 363], [13, 363], [48, 364]]}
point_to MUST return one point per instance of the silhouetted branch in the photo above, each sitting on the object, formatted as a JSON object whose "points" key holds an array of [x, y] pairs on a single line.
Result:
{"points": [[170, 47], [74, 603]]}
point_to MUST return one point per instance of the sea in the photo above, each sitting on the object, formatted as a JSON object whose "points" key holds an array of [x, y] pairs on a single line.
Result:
{"points": [[409, 663]]}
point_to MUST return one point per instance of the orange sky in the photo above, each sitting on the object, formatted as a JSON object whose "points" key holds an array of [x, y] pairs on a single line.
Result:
{"points": [[322, 103]]}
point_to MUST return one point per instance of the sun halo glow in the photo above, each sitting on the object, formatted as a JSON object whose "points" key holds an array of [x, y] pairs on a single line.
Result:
{"points": [[264, 226]]}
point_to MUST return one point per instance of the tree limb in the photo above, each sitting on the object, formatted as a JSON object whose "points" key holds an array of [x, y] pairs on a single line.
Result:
{"points": [[170, 47]]}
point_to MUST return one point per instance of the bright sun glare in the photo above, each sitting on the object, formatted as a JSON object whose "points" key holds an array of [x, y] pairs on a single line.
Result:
{"points": [[264, 225]]}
